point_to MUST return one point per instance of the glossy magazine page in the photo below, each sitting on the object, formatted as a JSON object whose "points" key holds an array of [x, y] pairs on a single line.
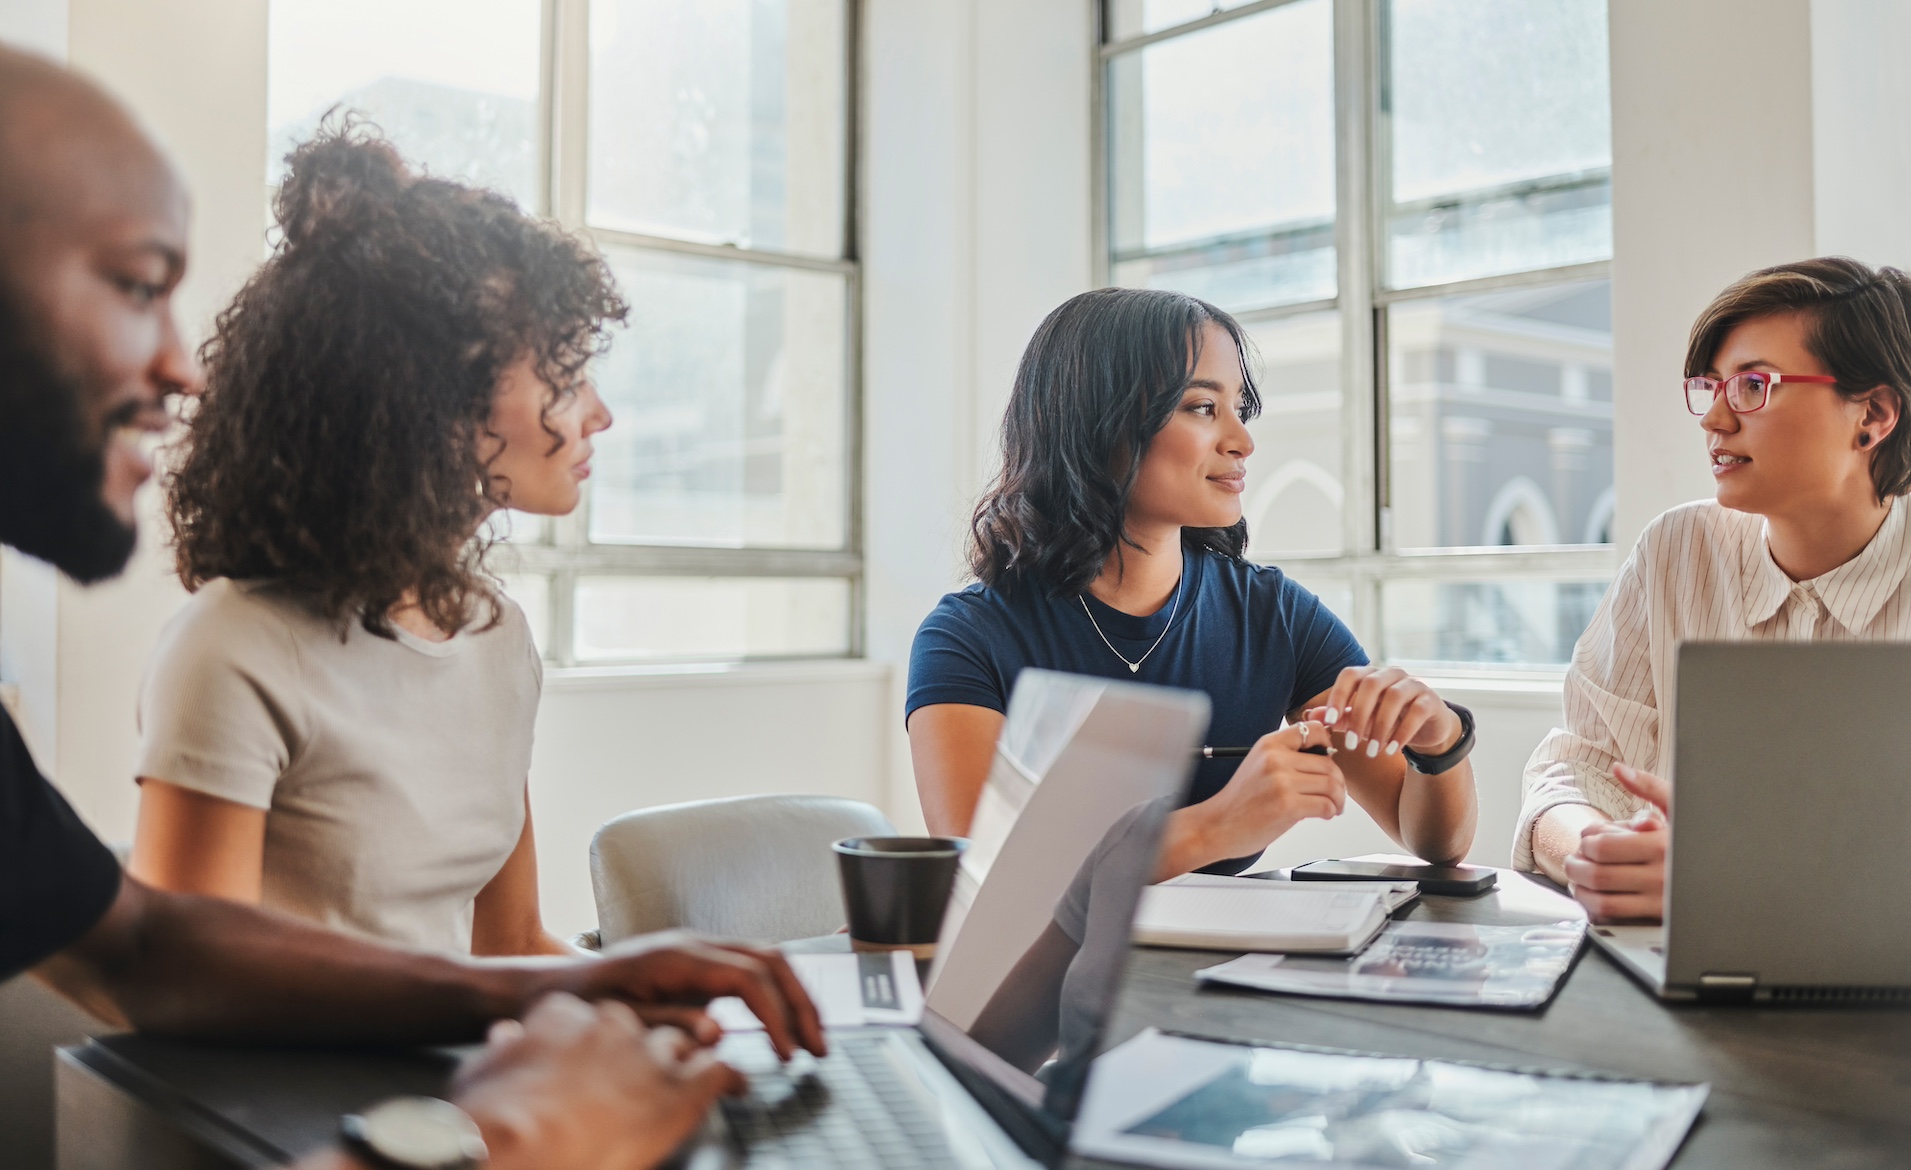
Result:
{"points": [[1178, 1102], [1441, 963]]}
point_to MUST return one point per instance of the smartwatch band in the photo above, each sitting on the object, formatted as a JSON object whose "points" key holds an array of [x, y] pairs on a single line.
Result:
{"points": [[1446, 761]]}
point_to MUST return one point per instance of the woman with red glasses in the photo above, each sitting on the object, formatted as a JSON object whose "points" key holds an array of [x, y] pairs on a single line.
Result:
{"points": [[1799, 375]]}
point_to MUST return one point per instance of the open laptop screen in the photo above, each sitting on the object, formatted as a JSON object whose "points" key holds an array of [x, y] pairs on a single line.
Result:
{"points": [[1065, 836]]}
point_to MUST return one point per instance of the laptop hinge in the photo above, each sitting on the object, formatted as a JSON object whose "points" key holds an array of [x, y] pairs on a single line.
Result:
{"points": [[1718, 987]]}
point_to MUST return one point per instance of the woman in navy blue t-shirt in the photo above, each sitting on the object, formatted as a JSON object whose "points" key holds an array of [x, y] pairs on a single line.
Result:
{"points": [[1112, 544]]}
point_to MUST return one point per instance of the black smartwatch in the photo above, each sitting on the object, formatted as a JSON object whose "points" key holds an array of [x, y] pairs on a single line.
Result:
{"points": [[415, 1133], [1446, 761]]}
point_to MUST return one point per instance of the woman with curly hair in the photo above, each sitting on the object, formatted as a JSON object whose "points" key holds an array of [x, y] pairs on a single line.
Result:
{"points": [[338, 723]]}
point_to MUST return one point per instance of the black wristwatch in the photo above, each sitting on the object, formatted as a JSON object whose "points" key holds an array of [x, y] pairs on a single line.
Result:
{"points": [[1447, 760], [415, 1133]]}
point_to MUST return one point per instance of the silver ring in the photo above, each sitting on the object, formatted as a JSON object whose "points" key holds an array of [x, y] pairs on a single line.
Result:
{"points": [[1304, 730]]}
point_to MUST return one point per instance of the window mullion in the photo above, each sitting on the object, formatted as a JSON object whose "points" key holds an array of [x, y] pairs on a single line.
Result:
{"points": [[563, 618], [569, 84], [1360, 417]]}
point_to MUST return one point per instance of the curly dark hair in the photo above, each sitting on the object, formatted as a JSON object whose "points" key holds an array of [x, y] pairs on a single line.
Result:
{"points": [[336, 446], [1100, 378]]}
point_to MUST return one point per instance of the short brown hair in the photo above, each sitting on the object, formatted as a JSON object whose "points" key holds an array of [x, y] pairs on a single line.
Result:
{"points": [[1858, 326]]}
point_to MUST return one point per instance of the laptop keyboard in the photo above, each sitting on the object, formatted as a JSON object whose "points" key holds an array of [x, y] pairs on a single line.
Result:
{"points": [[850, 1108]]}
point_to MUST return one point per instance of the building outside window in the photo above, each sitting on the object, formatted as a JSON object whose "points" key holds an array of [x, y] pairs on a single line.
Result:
{"points": [[1408, 205], [705, 146]]}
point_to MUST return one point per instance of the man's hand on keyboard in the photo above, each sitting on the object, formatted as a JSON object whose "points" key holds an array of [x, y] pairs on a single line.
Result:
{"points": [[583, 1087], [668, 977]]}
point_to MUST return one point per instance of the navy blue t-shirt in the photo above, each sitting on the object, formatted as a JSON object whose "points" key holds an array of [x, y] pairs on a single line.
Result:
{"points": [[1258, 644]]}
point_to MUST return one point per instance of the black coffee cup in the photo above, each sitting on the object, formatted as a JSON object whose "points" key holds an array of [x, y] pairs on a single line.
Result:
{"points": [[896, 890]]}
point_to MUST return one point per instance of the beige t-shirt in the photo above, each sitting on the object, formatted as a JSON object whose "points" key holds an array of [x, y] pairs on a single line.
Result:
{"points": [[392, 772]]}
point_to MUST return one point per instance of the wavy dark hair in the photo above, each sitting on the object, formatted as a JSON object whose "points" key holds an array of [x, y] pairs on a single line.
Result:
{"points": [[1101, 377], [1858, 326], [336, 446]]}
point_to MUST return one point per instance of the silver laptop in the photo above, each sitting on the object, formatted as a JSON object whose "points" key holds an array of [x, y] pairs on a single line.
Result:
{"points": [[1790, 860], [1085, 773]]}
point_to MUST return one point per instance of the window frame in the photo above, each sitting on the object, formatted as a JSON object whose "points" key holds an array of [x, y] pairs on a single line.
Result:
{"points": [[1362, 126], [562, 551]]}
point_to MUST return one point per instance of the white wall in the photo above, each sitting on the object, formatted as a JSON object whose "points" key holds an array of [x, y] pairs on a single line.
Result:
{"points": [[39, 25], [1861, 152], [1711, 179]]}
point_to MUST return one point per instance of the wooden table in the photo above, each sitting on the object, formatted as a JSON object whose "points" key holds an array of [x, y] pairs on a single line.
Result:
{"points": [[1791, 1087]]}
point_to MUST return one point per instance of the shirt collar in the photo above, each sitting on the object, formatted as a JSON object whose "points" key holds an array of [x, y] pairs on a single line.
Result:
{"points": [[1763, 585], [1853, 592]]}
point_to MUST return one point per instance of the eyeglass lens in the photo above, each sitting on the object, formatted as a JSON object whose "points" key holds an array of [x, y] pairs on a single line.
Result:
{"points": [[1743, 392]]}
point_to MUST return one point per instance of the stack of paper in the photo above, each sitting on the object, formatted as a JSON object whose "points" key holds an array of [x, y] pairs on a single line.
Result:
{"points": [[1209, 912]]}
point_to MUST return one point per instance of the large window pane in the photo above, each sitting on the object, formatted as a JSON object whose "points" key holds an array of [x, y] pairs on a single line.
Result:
{"points": [[1501, 418], [721, 121], [1294, 486], [679, 618], [1487, 623], [1501, 130], [1221, 153], [727, 388], [454, 83]]}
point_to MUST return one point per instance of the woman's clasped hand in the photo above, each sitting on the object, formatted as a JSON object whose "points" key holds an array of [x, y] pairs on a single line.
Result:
{"points": [[1379, 710]]}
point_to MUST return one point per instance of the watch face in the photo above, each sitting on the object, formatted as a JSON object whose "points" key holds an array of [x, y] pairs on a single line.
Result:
{"points": [[422, 1132]]}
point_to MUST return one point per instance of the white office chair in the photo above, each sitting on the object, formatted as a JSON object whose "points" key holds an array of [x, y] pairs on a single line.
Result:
{"points": [[748, 867]]}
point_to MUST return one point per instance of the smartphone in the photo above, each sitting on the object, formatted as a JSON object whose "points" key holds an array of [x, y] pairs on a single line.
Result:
{"points": [[1456, 880]]}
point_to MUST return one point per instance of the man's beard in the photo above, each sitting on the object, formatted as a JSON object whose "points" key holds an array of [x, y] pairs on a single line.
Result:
{"points": [[50, 473]]}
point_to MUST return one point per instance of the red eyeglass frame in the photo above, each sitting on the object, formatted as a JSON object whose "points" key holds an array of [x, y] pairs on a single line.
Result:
{"points": [[1718, 386]]}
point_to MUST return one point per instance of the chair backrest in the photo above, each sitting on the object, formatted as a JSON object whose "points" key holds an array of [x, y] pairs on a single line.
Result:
{"points": [[750, 867]]}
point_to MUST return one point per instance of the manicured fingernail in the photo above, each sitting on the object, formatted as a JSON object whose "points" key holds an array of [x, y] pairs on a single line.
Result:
{"points": [[1352, 740], [1333, 715], [1373, 748], [1393, 746]]}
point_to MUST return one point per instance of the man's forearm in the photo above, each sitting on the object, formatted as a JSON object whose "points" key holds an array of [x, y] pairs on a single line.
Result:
{"points": [[183, 965]]}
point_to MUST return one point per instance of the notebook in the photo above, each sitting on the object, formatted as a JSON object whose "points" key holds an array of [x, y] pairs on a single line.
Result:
{"points": [[1217, 913]]}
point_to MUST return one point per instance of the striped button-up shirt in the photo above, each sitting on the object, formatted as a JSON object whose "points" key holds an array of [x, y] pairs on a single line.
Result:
{"points": [[1699, 573]]}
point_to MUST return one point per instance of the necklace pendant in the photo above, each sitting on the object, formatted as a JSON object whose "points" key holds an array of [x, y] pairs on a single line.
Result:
{"points": [[1134, 668]]}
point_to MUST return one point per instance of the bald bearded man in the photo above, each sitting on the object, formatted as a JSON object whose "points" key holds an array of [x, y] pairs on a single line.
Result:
{"points": [[93, 235]]}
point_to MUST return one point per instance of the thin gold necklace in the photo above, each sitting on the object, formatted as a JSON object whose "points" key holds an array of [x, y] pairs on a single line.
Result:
{"points": [[1135, 666]]}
